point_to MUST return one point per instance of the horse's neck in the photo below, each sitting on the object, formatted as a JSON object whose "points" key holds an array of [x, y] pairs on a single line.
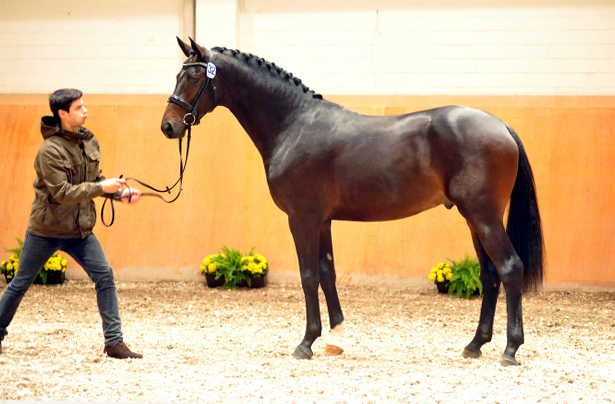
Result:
{"points": [[264, 106]]}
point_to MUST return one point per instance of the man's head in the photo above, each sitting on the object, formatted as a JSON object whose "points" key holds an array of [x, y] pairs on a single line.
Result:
{"points": [[62, 100], [67, 107]]}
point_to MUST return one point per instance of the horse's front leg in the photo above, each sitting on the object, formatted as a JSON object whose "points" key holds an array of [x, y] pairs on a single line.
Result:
{"points": [[305, 231], [326, 269]]}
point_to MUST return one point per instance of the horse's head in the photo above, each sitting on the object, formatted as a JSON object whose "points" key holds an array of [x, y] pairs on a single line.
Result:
{"points": [[195, 91]]}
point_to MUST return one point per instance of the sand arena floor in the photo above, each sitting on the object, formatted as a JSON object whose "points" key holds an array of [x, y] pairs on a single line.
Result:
{"points": [[402, 345]]}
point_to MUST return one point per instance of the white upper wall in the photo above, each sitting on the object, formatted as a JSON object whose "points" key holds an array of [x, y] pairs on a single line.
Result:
{"points": [[546, 47], [111, 46], [216, 23], [539, 47]]}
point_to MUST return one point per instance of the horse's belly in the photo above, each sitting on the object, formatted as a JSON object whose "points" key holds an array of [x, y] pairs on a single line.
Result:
{"points": [[382, 208]]}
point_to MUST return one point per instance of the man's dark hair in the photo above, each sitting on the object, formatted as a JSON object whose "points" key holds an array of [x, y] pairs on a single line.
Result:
{"points": [[62, 100]]}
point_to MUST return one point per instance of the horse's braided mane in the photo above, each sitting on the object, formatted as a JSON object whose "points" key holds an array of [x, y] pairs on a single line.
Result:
{"points": [[271, 67]]}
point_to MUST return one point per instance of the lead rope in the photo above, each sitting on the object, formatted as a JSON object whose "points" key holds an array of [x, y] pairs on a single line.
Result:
{"points": [[182, 167]]}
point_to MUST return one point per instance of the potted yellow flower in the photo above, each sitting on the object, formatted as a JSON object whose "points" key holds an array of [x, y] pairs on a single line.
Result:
{"points": [[230, 268], [441, 276], [51, 273], [8, 268], [255, 266]]}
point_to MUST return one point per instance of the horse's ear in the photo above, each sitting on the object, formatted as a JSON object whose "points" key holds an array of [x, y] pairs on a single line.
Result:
{"points": [[199, 49], [184, 46]]}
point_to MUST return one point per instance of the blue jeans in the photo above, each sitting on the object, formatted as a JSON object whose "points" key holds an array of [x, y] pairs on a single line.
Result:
{"points": [[89, 254]]}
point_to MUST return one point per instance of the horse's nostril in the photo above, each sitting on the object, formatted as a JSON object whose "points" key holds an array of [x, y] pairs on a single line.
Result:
{"points": [[167, 128]]}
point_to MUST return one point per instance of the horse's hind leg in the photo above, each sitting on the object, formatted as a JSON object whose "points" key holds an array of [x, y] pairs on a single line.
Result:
{"points": [[491, 289], [326, 270], [488, 226]]}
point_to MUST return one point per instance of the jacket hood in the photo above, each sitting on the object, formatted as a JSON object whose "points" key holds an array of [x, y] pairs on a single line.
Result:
{"points": [[50, 126]]}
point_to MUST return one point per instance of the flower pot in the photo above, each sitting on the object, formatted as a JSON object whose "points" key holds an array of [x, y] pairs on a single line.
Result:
{"points": [[256, 283], [53, 278], [212, 282], [259, 282], [442, 287]]}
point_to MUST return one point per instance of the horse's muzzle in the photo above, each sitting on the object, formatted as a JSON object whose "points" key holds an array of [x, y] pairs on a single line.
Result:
{"points": [[170, 132]]}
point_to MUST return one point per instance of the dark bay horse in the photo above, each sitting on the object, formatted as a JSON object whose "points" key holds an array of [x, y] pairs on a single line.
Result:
{"points": [[325, 162]]}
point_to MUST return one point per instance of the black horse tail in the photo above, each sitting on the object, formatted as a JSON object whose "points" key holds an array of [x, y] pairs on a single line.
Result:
{"points": [[524, 227]]}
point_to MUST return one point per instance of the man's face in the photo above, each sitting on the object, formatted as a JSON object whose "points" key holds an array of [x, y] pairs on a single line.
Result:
{"points": [[75, 117]]}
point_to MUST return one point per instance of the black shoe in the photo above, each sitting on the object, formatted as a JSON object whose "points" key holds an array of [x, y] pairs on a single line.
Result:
{"points": [[121, 351]]}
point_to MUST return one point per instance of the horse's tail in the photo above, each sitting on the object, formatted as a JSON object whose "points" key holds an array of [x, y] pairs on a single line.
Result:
{"points": [[524, 227]]}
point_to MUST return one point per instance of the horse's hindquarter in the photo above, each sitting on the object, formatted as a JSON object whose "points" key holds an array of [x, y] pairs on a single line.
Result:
{"points": [[354, 167], [479, 157]]}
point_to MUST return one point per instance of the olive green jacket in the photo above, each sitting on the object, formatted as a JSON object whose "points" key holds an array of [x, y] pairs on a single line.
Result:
{"points": [[67, 181]]}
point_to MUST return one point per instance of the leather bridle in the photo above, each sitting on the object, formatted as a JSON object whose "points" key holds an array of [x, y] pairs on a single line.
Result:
{"points": [[191, 118]]}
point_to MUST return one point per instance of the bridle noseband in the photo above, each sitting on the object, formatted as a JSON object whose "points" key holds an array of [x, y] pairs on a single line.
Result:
{"points": [[192, 116]]}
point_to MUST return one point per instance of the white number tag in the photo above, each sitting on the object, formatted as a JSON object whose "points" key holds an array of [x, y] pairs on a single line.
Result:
{"points": [[211, 70]]}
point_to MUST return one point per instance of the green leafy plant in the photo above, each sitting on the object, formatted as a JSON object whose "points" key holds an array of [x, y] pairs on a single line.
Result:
{"points": [[235, 267], [465, 279], [10, 267]]}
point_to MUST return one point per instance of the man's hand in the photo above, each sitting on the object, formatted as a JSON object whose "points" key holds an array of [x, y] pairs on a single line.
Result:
{"points": [[131, 196], [111, 185]]}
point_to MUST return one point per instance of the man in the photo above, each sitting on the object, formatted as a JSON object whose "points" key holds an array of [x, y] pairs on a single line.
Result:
{"points": [[63, 214]]}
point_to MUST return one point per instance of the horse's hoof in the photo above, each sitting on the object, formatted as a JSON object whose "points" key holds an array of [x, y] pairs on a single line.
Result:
{"points": [[470, 354], [333, 350], [302, 353], [508, 361]]}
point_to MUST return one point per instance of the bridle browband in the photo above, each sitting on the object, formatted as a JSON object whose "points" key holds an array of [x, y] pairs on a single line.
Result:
{"points": [[191, 118]]}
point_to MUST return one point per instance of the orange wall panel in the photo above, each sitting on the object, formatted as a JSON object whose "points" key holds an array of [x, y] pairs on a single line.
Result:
{"points": [[226, 201]]}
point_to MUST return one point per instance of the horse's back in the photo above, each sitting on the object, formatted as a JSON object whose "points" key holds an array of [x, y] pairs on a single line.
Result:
{"points": [[468, 127]]}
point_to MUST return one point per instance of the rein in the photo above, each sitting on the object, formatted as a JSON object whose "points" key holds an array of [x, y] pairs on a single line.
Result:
{"points": [[117, 196], [191, 118]]}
